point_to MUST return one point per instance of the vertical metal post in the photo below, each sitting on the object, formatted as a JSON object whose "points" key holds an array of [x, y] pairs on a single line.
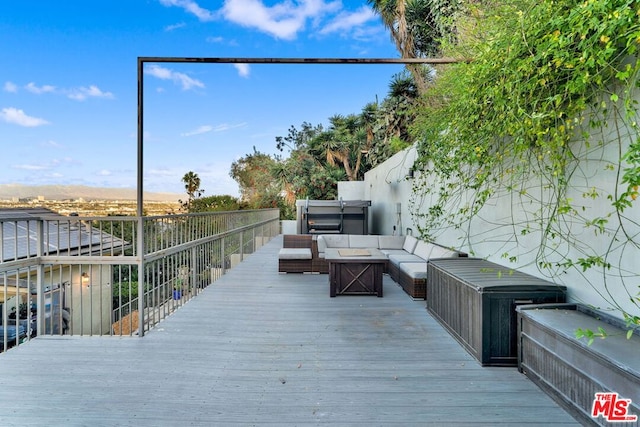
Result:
{"points": [[194, 267], [139, 201], [40, 325], [223, 256]]}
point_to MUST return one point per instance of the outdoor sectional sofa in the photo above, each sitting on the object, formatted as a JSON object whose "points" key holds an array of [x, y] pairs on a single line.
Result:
{"points": [[408, 256]]}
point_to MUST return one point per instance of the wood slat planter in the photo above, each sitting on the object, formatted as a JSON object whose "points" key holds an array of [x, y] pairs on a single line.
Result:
{"points": [[475, 301], [570, 370]]}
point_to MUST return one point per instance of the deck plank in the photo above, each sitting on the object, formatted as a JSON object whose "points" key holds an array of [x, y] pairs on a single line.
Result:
{"points": [[262, 348]]}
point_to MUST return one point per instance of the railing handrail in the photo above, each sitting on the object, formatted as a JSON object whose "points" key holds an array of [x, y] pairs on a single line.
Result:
{"points": [[188, 247]]}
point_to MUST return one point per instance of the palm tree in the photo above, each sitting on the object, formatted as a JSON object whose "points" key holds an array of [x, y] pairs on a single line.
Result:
{"points": [[192, 186], [280, 173], [418, 29], [394, 17], [344, 143]]}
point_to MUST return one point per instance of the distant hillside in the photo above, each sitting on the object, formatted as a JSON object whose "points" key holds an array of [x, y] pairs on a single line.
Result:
{"points": [[64, 192]]}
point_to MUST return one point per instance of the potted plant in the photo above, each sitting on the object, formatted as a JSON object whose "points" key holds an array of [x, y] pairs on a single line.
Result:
{"points": [[177, 289]]}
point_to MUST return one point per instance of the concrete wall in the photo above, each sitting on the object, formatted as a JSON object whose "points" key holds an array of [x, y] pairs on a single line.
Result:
{"points": [[289, 226], [389, 188], [351, 190], [497, 229]]}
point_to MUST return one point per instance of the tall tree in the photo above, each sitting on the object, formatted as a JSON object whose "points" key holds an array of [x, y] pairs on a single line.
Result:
{"points": [[394, 17], [223, 203], [253, 173], [419, 28], [344, 144], [191, 182]]}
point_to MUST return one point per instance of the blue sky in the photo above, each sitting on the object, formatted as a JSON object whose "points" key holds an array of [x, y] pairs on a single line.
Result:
{"points": [[68, 85]]}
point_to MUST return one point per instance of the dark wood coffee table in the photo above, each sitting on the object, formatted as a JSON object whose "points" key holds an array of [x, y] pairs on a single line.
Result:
{"points": [[355, 271]]}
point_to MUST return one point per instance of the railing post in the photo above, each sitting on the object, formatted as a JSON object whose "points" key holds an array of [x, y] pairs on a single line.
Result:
{"points": [[194, 263], [253, 233], [40, 325], [140, 199], [224, 261], [141, 254]]}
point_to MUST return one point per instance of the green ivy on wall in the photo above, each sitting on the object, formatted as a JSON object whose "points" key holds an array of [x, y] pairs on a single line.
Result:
{"points": [[551, 87]]}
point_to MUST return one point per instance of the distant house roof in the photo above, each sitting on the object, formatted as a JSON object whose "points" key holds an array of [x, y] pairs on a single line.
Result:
{"points": [[65, 236]]}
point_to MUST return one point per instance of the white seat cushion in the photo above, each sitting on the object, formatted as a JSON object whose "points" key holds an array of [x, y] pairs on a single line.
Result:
{"points": [[426, 250], [294, 253], [415, 270], [389, 252], [390, 242], [363, 241], [440, 252], [397, 259], [332, 241], [409, 244], [423, 249]]}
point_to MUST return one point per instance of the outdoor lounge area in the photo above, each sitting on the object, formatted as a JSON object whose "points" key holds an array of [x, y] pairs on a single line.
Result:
{"points": [[262, 348], [405, 257]]}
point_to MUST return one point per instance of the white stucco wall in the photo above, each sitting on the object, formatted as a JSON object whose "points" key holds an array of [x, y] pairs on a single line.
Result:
{"points": [[496, 232], [351, 190], [389, 189]]}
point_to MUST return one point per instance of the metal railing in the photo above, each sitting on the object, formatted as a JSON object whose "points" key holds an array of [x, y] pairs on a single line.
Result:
{"points": [[79, 275]]}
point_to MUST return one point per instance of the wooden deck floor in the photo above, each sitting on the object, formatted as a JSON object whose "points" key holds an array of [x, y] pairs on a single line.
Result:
{"points": [[259, 348]]}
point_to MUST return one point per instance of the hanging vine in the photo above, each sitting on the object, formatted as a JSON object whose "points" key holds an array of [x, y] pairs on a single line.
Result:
{"points": [[552, 89]]}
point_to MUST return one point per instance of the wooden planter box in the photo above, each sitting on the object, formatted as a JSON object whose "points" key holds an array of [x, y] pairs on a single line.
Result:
{"points": [[475, 301], [569, 369]]}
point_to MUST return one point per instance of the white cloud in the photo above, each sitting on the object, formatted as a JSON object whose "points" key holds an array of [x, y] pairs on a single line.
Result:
{"points": [[225, 126], [10, 87], [243, 69], [51, 144], [283, 20], [347, 21], [28, 167], [18, 117], [82, 93], [31, 87], [104, 172], [191, 7], [78, 94], [166, 74], [170, 28], [161, 172], [222, 40], [219, 128], [199, 131]]}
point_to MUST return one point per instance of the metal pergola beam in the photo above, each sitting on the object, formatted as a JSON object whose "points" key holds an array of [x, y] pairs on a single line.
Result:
{"points": [[405, 61], [237, 60]]}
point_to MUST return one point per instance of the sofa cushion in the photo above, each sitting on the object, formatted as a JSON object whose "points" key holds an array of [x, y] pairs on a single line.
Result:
{"points": [[397, 259], [409, 244], [389, 252], [427, 250], [423, 249], [363, 241], [294, 253], [440, 252], [415, 270], [390, 242], [332, 241]]}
